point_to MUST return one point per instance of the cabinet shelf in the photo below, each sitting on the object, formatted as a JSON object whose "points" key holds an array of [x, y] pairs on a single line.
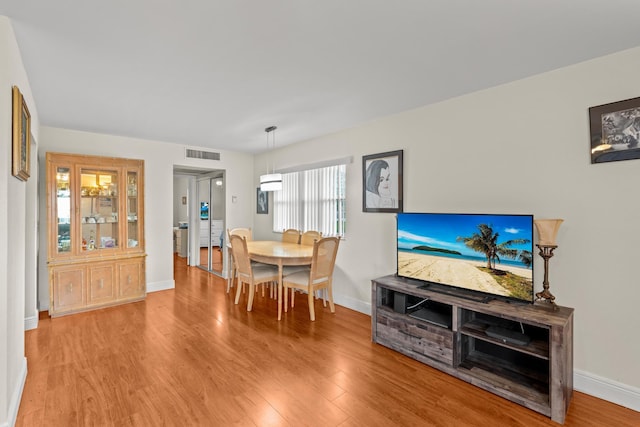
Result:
{"points": [[536, 348], [511, 383], [451, 335]]}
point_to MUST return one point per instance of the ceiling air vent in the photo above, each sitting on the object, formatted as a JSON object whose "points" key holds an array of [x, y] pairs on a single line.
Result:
{"points": [[199, 154]]}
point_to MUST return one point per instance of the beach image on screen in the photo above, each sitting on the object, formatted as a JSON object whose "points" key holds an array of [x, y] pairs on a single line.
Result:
{"points": [[486, 253]]}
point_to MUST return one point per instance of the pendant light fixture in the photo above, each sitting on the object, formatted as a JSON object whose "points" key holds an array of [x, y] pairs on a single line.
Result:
{"points": [[271, 181]]}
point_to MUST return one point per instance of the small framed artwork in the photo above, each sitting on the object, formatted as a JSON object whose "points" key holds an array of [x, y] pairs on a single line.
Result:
{"points": [[21, 146], [262, 201], [615, 131], [382, 182]]}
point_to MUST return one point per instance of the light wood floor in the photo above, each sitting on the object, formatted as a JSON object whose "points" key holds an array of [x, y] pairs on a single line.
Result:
{"points": [[190, 357], [216, 258]]}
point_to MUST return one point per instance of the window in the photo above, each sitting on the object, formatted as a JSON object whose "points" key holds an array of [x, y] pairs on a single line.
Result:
{"points": [[312, 200]]}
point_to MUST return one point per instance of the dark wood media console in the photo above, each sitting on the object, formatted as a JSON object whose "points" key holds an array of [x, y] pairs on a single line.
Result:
{"points": [[449, 333]]}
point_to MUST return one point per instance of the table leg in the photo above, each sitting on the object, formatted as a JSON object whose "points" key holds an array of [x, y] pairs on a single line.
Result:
{"points": [[279, 290]]}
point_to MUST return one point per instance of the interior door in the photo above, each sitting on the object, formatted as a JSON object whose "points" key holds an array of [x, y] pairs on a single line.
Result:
{"points": [[210, 191]]}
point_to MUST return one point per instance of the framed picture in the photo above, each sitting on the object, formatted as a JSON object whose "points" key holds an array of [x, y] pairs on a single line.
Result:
{"points": [[382, 182], [21, 137], [262, 201], [615, 131]]}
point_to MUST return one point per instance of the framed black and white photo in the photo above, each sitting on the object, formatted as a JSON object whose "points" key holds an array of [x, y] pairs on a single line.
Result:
{"points": [[382, 182], [262, 201], [615, 131]]}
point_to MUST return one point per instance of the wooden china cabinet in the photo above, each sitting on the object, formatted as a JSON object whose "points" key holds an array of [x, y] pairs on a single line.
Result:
{"points": [[95, 222]]}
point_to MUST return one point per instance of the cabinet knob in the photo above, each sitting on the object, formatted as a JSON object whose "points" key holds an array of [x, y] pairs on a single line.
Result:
{"points": [[70, 287], [129, 279], [101, 283]]}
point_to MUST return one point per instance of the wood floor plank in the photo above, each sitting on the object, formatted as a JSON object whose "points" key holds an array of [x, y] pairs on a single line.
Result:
{"points": [[191, 357]]}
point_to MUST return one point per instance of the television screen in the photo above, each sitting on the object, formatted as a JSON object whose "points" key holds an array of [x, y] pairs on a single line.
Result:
{"points": [[204, 210], [483, 253]]}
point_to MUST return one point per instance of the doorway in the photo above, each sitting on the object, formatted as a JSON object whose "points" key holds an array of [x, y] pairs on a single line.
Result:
{"points": [[210, 195], [199, 218]]}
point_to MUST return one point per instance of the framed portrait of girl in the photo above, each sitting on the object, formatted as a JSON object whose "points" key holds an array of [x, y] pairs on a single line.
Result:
{"points": [[382, 182]]}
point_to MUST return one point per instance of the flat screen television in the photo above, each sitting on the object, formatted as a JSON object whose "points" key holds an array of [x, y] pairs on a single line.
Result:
{"points": [[481, 256]]}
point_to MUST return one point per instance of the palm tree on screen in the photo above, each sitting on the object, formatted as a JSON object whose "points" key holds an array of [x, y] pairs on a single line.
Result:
{"points": [[485, 241]]}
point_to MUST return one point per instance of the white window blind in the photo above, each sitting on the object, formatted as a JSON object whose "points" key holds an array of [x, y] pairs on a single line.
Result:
{"points": [[312, 200]]}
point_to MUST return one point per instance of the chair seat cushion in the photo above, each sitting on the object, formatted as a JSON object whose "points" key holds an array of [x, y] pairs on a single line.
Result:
{"points": [[299, 277], [290, 269], [264, 271]]}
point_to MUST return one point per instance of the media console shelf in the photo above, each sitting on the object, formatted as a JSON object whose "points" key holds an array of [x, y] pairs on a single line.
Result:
{"points": [[521, 352]]}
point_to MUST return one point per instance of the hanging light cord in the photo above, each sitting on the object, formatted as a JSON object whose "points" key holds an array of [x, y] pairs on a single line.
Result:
{"points": [[269, 130]]}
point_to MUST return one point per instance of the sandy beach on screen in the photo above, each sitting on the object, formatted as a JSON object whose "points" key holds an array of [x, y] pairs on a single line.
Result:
{"points": [[461, 272]]}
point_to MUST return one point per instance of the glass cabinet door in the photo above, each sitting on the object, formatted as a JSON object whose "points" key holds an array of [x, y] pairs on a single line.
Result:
{"points": [[63, 209], [99, 209], [133, 229]]}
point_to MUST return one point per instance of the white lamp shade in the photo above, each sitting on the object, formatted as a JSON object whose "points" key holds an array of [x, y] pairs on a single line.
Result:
{"points": [[271, 182], [547, 230]]}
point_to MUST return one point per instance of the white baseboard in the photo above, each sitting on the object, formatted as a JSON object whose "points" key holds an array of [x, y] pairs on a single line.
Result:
{"points": [[16, 396], [31, 323], [352, 303], [161, 286], [604, 388]]}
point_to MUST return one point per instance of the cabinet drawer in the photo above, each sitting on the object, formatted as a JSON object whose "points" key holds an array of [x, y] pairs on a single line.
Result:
{"points": [[415, 336], [216, 225], [101, 284], [131, 280], [68, 288]]}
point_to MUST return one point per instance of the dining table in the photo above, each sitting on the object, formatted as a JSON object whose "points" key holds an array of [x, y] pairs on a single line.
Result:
{"points": [[280, 254]]}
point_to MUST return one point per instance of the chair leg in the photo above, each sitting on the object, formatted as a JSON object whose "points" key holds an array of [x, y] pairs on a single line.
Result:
{"points": [[293, 297], [312, 312], [238, 287], [332, 307], [231, 278], [252, 291], [285, 292]]}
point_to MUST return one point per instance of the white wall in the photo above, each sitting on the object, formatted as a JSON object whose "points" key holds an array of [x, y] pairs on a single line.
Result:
{"points": [[523, 147], [180, 211], [158, 192], [15, 197]]}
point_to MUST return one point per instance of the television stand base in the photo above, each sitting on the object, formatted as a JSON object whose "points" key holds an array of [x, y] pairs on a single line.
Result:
{"points": [[451, 334]]}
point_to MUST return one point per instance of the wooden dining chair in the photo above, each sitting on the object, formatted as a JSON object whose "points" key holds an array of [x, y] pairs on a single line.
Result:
{"points": [[243, 232], [310, 236], [291, 235], [252, 275], [318, 276], [307, 238]]}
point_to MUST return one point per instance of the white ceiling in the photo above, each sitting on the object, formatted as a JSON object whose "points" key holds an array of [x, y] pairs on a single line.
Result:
{"points": [[215, 73]]}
